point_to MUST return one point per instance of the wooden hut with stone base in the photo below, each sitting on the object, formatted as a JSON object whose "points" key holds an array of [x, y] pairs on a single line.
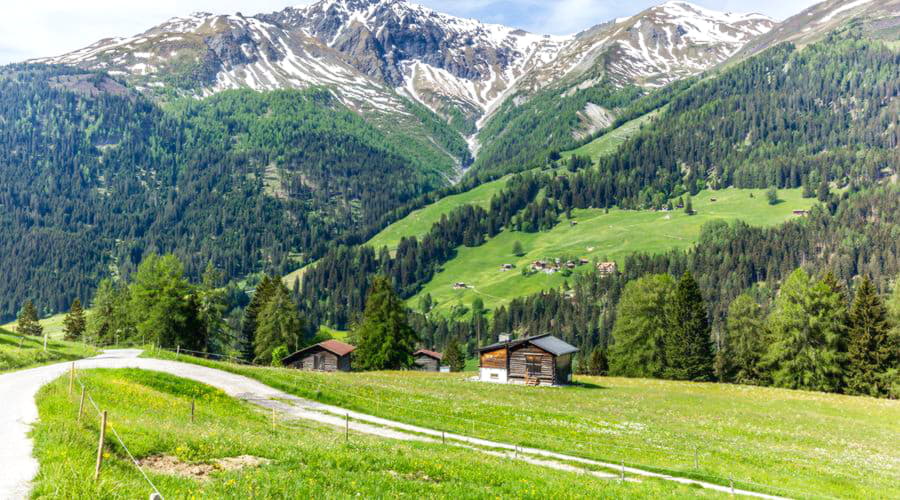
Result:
{"points": [[328, 356], [540, 360]]}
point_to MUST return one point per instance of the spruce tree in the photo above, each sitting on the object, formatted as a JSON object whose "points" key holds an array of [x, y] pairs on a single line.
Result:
{"points": [[279, 325], [869, 353], [453, 357], [688, 346], [638, 348], [598, 364], [517, 249], [264, 291], [385, 341], [689, 207], [28, 322], [75, 321]]}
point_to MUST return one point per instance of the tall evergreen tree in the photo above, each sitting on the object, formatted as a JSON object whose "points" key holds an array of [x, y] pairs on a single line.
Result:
{"points": [[75, 322], [744, 341], [28, 322], [264, 291], [688, 345], [384, 338], [279, 325], [638, 348], [807, 334], [212, 307], [869, 351], [598, 363], [453, 356]]}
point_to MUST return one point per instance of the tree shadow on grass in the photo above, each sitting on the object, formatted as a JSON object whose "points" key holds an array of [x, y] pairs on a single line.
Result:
{"points": [[587, 385]]}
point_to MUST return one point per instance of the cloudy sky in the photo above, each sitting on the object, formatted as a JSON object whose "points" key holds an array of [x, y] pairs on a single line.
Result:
{"points": [[49, 27]]}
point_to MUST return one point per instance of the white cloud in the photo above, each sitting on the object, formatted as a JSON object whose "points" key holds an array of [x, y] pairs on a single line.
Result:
{"points": [[48, 27]]}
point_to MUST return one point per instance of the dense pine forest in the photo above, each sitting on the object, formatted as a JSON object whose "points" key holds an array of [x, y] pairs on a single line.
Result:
{"points": [[97, 176]]}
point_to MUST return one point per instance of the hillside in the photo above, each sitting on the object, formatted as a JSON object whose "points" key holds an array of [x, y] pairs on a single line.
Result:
{"points": [[18, 352], [791, 443], [244, 179], [597, 237]]}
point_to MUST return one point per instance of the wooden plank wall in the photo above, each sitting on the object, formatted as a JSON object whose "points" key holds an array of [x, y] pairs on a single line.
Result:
{"points": [[494, 359], [517, 363], [426, 363]]}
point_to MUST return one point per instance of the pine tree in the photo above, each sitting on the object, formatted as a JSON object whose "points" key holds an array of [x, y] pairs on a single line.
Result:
{"points": [[688, 347], [384, 338], [212, 309], [279, 325], [453, 357], [28, 322], [868, 356], [75, 322], [772, 196], [689, 207], [807, 336]]}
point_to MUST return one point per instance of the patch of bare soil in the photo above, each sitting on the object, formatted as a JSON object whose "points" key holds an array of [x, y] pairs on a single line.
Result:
{"points": [[167, 464]]}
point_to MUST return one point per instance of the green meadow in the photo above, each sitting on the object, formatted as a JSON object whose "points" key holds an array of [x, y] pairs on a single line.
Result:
{"points": [[150, 412], [17, 351], [597, 236], [793, 443], [53, 325], [608, 143]]}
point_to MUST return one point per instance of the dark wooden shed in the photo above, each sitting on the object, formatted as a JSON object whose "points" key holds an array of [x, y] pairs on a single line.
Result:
{"points": [[540, 360], [428, 361], [328, 356]]}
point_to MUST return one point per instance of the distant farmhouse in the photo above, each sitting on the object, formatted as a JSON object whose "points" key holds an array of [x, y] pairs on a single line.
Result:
{"points": [[540, 360], [328, 356], [606, 268], [428, 361]]}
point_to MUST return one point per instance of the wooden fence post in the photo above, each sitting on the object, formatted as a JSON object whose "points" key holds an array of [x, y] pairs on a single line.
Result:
{"points": [[348, 428], [45, 342], [177, 351], [622, 476], [81, 405], [192, 411], [100, 446]]}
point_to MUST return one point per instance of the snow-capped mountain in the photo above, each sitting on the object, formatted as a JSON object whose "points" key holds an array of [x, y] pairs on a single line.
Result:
{"points": [[655, 47], [371, 52], [432, 57], [878, 18]]}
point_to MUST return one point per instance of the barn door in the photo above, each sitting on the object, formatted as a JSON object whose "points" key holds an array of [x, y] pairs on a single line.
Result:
{"points": [[317, 362]]}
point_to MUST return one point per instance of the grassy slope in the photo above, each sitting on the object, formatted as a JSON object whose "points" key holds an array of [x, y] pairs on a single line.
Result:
{"points": [[53, 325], [420, 221], [597, 236], [610, 142], [788, 442], [17, 352], [308, 460]]}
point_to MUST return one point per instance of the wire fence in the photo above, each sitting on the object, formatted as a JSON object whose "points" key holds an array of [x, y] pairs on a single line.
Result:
{"points": [[77, 378], [594, 450]]}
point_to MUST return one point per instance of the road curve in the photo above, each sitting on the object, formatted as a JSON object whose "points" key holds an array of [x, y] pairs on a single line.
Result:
{"points": [[18, 412]]}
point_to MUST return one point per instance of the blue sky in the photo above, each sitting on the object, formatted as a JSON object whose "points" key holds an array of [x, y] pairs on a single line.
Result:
{"points": [[48, 27]]}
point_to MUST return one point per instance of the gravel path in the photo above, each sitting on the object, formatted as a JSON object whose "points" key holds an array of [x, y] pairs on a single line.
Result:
{"points": [[18, 412]]}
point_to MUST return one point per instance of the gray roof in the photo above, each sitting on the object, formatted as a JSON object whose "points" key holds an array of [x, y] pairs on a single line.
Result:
{"points": [[554, 345], [547, 342]]}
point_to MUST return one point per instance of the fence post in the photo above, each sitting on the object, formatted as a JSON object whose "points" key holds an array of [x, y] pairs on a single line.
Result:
{"points": [[192, 411], [348, 428], [177, 351], [81, 405], [444, 437], [622, 475], [696, 459], [731, 482], [273, 417], [100, 446]]}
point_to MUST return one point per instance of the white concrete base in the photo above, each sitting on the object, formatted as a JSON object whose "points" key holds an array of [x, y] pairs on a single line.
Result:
{"points": [[496, 375]]}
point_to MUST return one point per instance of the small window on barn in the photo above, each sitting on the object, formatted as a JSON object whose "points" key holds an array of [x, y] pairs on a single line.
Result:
{"points": [[533, 365], [495, 376]]}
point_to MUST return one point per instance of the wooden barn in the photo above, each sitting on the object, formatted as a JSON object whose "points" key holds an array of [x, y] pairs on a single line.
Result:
{"points": [[540, 360], [428, 361], [328, 356]]}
